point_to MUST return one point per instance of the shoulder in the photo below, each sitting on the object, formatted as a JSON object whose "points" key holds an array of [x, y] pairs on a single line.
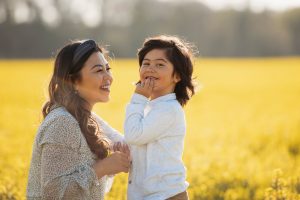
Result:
{"points": [[170, 107], [58, 115], [59, 127]]}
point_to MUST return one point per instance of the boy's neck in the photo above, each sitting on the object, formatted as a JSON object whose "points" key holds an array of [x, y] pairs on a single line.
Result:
{"points": [[155, 96]]}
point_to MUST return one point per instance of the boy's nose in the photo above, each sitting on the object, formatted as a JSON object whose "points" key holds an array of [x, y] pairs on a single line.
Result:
{"points": [[150, 68]]}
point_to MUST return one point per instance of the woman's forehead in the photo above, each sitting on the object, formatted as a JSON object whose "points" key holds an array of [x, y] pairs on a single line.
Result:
{"points": [[97, 58], [102, 58]]}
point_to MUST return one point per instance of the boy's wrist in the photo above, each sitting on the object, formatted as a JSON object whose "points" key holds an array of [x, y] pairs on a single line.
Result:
{"points": [[139, 99], [137, 91]]}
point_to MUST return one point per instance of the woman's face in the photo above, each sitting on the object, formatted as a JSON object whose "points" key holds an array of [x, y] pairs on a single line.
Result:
{"points": [[96, 79], [156, 65]]}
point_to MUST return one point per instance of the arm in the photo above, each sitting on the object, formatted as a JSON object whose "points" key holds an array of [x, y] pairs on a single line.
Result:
{"points": [[140, 129], [63, 175], [110, 132]]}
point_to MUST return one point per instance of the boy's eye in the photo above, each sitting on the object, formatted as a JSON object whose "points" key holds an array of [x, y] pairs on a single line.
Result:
{"points": [[159, 65], [108, 69]]}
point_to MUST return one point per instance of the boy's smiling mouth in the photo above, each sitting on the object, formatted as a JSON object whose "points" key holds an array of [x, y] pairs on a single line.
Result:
{"points": [[146, 77]]}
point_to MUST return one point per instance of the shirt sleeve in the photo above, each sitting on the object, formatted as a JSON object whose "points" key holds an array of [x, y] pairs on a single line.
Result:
{"points": [[140, 129], [111, 133], [114, 136], [63, 175]]}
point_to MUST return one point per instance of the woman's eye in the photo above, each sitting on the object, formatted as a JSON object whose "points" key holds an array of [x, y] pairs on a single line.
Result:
{"points": [[145, 64], [160, 65]]}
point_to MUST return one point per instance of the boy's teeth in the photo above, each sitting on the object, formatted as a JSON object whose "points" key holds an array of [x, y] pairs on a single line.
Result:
{"points": [[105, 86], [151, 77]]}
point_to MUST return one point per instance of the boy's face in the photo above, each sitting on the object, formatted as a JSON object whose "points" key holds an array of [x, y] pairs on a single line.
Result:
{"points": [[155, 65]]}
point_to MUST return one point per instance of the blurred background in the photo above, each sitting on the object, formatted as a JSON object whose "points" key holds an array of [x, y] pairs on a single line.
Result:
{"points": [[226, 28], [243, 124]]}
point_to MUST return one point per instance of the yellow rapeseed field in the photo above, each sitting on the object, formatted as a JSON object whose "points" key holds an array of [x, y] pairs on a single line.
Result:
{"points": [[243, 135]]}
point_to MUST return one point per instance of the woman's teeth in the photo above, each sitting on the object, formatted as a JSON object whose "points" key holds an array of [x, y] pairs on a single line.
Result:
{"points": [[105, 87]]}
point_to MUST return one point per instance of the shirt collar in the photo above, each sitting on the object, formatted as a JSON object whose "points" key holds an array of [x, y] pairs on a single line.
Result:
{"points": [[167, 97]]}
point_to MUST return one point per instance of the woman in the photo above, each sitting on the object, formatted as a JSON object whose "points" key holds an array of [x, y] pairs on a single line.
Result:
{"points": [[71, 156]]}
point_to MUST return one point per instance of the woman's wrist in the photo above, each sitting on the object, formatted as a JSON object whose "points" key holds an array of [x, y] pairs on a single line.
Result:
{"points": [[99, 168]]}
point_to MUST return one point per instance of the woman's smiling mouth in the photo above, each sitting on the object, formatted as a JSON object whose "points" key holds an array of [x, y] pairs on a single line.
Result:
{"points": [[105, 87]]}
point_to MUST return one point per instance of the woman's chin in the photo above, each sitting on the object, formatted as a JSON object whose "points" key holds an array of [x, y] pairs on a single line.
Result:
{"points": [[103, 99]]}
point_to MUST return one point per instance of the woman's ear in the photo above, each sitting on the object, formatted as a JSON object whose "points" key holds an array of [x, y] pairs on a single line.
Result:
{"points": [[76, 85], [176, 78]]}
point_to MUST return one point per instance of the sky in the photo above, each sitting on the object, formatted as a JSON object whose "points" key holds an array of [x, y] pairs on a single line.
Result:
{"points": [[255, 5]]}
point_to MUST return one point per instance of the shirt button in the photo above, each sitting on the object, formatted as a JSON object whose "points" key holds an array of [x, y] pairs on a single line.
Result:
{"points": [[129, 182]]}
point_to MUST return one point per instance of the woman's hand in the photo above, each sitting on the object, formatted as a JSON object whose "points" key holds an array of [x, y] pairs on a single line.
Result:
{"points": [[122, 147], [145, 87], [115, 163]]}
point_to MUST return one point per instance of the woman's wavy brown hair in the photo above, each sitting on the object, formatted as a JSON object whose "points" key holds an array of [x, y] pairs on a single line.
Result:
{"points": [[180, 54], [62, 93]]}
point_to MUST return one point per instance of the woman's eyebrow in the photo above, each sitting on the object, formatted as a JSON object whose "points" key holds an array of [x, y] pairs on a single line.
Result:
{"points": [[97, 65]]}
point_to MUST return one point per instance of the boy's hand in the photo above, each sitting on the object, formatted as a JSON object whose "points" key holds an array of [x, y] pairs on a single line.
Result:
{"points": [[122, 147], [145, 88]]}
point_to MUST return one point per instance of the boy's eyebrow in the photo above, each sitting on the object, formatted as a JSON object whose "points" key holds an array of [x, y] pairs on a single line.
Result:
{"points": [[159, 59]]}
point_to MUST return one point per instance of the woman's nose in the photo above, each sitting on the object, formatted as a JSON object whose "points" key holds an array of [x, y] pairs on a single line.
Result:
{"points": [[108, 76]]}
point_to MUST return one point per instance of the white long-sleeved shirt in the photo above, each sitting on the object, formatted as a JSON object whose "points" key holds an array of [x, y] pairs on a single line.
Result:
{"points": [[155, 131]]}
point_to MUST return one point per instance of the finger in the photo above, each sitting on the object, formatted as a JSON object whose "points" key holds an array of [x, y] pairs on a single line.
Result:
{"points": [[143, 83], [126, 149], [123, 149], [147, 82], [117, 146], [151, 86], [140, 84]]}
